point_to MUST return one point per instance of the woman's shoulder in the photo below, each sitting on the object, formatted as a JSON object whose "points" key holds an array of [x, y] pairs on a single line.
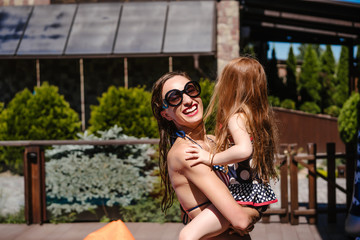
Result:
{"points": [[176, 154]]}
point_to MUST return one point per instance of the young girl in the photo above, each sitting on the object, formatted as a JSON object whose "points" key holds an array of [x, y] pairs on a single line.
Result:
{"points": [[245, 138]]}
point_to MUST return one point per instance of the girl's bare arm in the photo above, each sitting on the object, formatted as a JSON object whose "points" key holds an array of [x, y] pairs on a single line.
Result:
{"points": [[241, 150]]}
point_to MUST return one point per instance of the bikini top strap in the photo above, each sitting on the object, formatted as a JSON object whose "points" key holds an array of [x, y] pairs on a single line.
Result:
{"points": [[193, 141], [182, 134], [211, 140]]}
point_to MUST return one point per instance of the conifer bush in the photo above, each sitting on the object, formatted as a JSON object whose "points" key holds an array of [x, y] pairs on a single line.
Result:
{"points": [[349, 118], [288, 104], [207, 89], [128, 108], [43, 115], [333, 111], [274, 101], [310, 107]]}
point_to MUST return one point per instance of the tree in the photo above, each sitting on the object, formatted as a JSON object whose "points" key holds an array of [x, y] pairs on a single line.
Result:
{"points": [[302, 50], [342, 78], [327, 76], [276, 87], [248, 50], [309, 85], [291, 86], [319, 51]]}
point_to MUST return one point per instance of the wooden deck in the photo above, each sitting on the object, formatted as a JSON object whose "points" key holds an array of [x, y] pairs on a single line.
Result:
{"points": [[169, 231]]}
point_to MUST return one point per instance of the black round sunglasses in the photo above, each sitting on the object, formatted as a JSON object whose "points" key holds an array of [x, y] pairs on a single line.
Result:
{"points": [[174, 97]]}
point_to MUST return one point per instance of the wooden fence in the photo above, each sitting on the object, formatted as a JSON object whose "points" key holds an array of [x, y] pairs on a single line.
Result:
{"points": [[34, 175], [289, 165]]}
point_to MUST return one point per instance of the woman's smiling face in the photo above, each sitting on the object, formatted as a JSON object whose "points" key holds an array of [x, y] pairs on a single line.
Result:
{"points": [[189, 113]]}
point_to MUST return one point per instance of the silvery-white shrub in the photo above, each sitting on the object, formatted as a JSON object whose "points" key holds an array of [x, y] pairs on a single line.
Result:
{"points": [[81, 177]]}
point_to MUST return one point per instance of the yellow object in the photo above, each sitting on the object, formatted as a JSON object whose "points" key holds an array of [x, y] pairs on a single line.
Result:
{"points": [[115, 230]]}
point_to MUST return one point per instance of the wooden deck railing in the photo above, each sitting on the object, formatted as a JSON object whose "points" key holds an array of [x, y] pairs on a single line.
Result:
{"points": [[283, 211], [34, 170], [34, 177], [309, 161]]}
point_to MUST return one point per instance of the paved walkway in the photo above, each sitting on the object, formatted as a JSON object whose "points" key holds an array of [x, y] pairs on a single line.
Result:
{"points": [[11, 193], [169, 231]]}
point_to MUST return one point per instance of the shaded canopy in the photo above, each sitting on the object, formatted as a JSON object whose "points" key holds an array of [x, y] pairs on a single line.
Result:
{"points": [[307, 21]]}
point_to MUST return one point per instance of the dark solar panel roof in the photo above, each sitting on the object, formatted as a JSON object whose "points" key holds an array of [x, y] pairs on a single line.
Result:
{"points": [[94, 28], [142, 28], [12, 25], [47, 30], [180, 34], [108, 29]]}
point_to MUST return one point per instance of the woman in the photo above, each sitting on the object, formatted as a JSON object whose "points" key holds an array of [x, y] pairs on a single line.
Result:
{"points": [[178, 108]]}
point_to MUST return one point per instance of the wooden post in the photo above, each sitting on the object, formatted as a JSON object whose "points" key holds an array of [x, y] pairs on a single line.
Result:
{"points": [[126, 76], [294, 219], [170, 64], [330, 152], [82, 94], [350, 171], [34, 176], [312, 182], [284, 218], [38, 73]]}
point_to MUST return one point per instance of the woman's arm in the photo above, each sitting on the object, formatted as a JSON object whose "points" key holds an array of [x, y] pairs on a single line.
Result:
{"points": [[241, 150]]}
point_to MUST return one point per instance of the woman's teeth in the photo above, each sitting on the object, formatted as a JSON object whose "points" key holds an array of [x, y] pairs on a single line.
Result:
{"points": [[190, 110]]}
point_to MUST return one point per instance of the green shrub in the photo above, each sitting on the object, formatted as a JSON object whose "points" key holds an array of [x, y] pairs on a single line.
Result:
{"points": [[44, 115], [13, 218], [348, 120], [288, 103], [274, 101], [207, 89], [310, 107], [1, 107], [128, 108], [149, 209], [14, 125], [80, 178], [333, 111]]}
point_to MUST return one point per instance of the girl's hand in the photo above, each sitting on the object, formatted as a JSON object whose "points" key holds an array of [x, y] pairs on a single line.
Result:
{"points": [[197, 155]]}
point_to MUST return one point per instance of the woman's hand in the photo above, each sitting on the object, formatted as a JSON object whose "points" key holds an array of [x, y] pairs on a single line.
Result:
{"points": [[197, 155]]}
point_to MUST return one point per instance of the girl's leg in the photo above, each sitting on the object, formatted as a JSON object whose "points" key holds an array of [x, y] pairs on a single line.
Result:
{"points": [[208, 223]]}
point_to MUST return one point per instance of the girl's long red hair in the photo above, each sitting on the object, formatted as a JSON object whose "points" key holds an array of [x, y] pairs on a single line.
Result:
{"points": [[242, 88]]}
